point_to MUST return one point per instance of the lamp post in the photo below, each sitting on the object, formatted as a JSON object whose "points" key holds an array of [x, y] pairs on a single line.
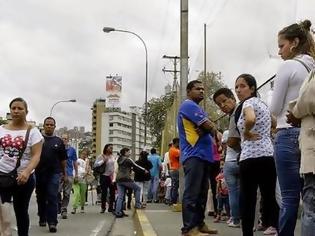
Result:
{"points": [[110, 29], [52, 108]]}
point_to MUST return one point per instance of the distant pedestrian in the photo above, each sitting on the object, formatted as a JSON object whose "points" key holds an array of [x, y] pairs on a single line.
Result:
{"points": [[67, 181], [155, 159], [124, 180], [106, 178], [196, 155], [141, 178], [13, 146], [174, 155], [295, 48], [51, 168]]}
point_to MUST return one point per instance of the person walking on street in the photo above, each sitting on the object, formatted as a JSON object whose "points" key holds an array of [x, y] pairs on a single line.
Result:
{"points": [[124, 180], [226, 101], [21, 151], [106, 178], [155, 159], [196, 155], [71, 175], [296, 51], [51, 167], [143, 179]]}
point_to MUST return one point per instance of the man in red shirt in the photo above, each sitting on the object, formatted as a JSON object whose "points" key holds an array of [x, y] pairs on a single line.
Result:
{"points": [[174, 155]]}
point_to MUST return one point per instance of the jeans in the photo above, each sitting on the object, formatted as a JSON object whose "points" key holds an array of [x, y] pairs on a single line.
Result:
{"points": [[231, 172], [21, 199], [196, 172], [121, 186], [223, 202], [144, 186], [65, 188], [256, 172], [308, 213], [47, 197], [287, 156], [154, 184], [175, 185]]}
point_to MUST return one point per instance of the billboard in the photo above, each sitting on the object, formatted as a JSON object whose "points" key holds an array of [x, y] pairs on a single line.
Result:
{"points": [[113, 90]]}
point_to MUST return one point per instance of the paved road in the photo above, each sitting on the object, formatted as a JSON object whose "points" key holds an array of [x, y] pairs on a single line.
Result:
{"points": [[91, 223], [165, 222]]}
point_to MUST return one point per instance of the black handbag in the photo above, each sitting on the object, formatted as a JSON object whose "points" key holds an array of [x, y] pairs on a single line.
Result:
{"points": [[8, 180], [98, 170]]}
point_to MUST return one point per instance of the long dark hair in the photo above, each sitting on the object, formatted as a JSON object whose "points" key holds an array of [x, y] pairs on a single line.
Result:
{"points": [[106, 147], [124, 151], [143, 156], [251, 82]]}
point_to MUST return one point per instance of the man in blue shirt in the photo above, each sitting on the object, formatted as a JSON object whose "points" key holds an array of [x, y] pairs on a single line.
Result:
{"points": [[66, 183], [155, 159], [194, 129]]}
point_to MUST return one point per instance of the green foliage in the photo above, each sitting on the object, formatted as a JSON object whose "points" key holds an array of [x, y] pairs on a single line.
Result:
{"points": [[212, 83], [157, 110]]}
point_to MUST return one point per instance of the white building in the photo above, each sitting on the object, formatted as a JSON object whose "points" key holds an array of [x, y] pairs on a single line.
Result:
{"points": [[124, 129]]}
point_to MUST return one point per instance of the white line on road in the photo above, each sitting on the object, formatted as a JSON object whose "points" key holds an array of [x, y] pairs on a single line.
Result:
{"points": [[98, 228]]}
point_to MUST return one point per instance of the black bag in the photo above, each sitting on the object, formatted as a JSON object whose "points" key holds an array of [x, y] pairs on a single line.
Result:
{"points": [[98, 170], [8, 180]]}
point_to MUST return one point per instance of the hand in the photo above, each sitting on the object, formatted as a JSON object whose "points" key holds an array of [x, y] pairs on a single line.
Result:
{"points": [[146, 172], [23, 177], [199, 131], [292, 120], [250, 136]]}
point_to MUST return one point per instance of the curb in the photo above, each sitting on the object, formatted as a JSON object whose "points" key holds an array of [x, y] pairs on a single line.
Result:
{"points": [[143, 226]]}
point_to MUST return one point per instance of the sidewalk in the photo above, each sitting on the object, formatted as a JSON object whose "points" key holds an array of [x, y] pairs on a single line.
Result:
{"points": [[165, 222]]}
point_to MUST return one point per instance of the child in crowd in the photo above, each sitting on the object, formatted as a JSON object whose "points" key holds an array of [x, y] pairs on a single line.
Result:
{"points": [[222, 197]]}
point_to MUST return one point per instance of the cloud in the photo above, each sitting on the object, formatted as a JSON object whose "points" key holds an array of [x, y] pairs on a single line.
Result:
{"points": [[56, 50]]}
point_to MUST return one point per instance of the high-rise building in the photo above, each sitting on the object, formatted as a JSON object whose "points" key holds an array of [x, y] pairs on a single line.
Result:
{"points": [[122, 129], [97, 111]]}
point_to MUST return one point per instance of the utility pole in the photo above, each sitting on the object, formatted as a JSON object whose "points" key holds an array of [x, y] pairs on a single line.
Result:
{"points": [[204, 78], [174, 87], [183, 74], [174, 71]]}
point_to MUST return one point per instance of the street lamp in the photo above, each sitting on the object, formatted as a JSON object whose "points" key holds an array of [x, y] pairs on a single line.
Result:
{"points": [[110, 29], [52, 108]]}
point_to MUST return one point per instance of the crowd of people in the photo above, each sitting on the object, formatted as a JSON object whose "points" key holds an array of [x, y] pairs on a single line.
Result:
{"points": [[264, 144]]}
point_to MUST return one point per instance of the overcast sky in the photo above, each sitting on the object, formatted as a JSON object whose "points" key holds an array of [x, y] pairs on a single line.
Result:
{"points": [[56, 50]]}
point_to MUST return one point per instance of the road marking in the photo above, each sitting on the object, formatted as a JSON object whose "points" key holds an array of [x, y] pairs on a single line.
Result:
{"points": [[156, 211], [98, 228]]}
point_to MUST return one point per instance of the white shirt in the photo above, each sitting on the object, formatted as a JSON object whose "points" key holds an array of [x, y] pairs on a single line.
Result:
{"points": [[263, 146], [11, 143], [289, 79], [231, 154]]}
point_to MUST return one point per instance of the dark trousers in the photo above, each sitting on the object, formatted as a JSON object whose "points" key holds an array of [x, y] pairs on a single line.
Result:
{"points": [[175, 185], [195, 192], [214, 171], [21, 199], [47, 197], [107, 184], [258, 172]]}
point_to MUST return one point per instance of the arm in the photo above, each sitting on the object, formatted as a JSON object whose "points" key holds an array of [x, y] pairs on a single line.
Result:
{"points": [[36, 150], [281, 84], [234, 143], [99, 161], [250, 120], [136, 166]]}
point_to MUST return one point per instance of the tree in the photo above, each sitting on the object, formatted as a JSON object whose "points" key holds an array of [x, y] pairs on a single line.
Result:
{"points": [[157, 110], [212, 83]]}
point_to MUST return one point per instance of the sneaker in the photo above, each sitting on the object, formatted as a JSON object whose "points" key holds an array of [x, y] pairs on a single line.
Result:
{"points": [[52, 228], [234, 225], [270, 231], [205, 229], [74, 210], [102, 210], [64, 215], [229, 220], [82, 210]]}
